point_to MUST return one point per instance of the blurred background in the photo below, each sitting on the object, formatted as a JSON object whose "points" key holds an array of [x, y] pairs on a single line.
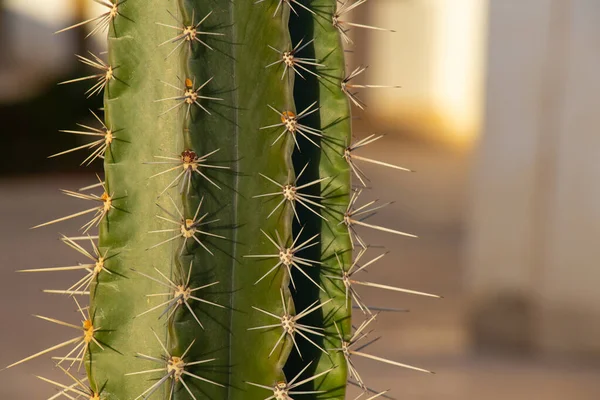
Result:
{"points": [[498, 113]]}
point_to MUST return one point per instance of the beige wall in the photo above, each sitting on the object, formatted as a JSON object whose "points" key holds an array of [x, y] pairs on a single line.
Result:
{"points": [[436, 55], [534, 224]]}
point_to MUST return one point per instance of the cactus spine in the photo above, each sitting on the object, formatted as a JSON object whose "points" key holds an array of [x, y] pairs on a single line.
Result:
{"points": [[224, 257]]}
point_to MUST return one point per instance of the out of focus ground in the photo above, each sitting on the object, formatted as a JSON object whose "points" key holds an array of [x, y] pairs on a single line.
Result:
{"points": [[433, 335]]}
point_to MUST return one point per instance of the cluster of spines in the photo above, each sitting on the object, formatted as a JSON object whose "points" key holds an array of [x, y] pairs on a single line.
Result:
{"points": [[293, 64], [190, 163], [104, 135]]}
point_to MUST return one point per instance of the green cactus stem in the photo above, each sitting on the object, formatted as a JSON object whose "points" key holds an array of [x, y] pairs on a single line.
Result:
{"points": [[223, 267]]}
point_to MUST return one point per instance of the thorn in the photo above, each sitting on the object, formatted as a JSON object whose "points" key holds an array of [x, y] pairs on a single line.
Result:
{"points": [[290, 326], [350, 157], [346, 348], [99, 146], [367, 390], [107, 73], [175, 368], [290, 194], [346, 86], [102, 21], [93, 269], [288, 257], [288, 3], [290, 123], [190, 96], [180, 294], [82, 342], [347, 278], [76, 389], [191, 164], [283, 390], [350, 221], [293, 63], [341, 25], [188, 33], [187, 228], [99, 211]]}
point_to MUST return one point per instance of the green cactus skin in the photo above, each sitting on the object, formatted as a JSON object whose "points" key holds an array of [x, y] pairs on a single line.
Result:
{"points": [[190, 179], [237, 67]]}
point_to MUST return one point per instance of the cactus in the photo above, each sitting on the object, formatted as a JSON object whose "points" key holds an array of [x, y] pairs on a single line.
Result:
{"points": [[223, 267]]}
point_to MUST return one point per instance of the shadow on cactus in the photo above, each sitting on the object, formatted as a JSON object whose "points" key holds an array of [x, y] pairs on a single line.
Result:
{"points": [[224, 265]]}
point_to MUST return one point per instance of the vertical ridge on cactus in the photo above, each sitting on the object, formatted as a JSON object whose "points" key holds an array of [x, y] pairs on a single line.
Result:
{"points": [[332, 119], [207, 279]]}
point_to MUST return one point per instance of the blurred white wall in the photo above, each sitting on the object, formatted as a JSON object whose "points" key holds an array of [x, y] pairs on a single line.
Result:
{"points": [[535, 217], [32, 55], [436, 55]]}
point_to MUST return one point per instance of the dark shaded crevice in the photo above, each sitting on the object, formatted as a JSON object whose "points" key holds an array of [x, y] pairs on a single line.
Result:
{"points": [[306, 91]]}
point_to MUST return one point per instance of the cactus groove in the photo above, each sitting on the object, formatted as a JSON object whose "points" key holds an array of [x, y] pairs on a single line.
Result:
{"points": [[224, 238]]}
